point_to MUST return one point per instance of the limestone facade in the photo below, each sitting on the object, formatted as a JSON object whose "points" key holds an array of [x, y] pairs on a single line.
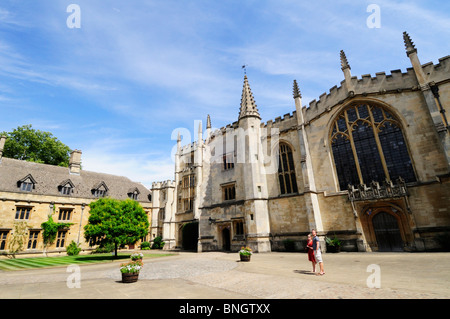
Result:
{"points": [[368, 162], [31, 192]]}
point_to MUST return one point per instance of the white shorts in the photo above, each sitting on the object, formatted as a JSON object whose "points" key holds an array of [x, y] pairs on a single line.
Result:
{"points": [[318, 256]]}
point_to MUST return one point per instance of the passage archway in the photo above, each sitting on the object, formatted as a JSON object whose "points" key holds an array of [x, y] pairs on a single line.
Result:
{"points": [[190, 236]]}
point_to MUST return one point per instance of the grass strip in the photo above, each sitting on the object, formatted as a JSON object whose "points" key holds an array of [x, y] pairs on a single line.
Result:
{"points": [[41, 262]]}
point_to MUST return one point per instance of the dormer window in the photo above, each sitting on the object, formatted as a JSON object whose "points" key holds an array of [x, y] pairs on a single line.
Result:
{"points": [[133, 193], [27, 183], [26, 186], [66, 187], [100, 190]]}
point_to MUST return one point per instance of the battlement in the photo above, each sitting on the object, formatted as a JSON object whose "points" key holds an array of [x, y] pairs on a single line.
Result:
{"points": [[381, 83], [282, 122], [163, 184], [438, 72]]}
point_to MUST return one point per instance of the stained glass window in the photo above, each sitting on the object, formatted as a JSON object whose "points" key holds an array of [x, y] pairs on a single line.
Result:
{"points": [[286, 171], [376, 147]]}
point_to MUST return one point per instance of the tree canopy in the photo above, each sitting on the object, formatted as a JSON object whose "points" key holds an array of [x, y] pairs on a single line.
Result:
{"points": [[26, 143], [120, 222]]}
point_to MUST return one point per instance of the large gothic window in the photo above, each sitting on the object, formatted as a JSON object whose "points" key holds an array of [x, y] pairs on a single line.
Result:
{"points": [[286, 170], [368, 145]]}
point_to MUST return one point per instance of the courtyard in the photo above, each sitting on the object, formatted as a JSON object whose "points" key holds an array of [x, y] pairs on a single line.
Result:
{"points": [[218, 275]]}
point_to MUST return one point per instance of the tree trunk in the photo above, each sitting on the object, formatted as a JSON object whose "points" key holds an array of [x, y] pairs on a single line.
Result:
{"points": [[115, 250]]}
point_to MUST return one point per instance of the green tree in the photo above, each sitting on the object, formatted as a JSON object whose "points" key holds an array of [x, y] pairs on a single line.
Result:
{"points": [[26, 143], [115, 221]]}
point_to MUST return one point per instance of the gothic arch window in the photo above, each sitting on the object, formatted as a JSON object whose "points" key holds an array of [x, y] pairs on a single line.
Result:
{"points": [[286, 170], [368, 145]]}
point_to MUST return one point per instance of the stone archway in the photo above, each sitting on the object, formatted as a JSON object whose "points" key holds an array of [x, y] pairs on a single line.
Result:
{"points": [[189, 235], [386, 226]]}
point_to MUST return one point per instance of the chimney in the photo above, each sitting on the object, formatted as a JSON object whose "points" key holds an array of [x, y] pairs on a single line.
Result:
{"points": [[75, 162], [2, 145]]}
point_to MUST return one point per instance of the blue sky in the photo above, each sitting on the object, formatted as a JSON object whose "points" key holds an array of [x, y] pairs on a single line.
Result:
{"points": [[120, 86]]}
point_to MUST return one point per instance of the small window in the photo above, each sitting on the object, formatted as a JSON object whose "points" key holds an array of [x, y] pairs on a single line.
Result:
{"points": [[229, 192], [66, 190], [228, 161], [61, 238], [23, 213], [26, 186], [239, 228], [134, 195], [3, 237], [100, 190], [32, 239], [99, 193], [65, 214]]}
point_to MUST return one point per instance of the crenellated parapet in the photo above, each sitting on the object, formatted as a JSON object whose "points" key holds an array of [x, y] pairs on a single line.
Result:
{"points": [[381, 83], [283, 123]]}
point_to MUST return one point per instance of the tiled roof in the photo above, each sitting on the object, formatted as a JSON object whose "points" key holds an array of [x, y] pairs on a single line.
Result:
{"points": [[50, 178]]}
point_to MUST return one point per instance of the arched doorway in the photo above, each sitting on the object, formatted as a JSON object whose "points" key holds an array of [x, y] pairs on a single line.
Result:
{"points": [[387, 232], [190, 236], [226, 240]]}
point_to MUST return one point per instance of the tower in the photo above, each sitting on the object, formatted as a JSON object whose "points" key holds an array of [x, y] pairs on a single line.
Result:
{"points": [[253, 173]]}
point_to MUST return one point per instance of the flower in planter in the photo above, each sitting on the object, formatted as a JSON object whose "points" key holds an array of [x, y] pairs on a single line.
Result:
{"points": [[245, 251], [137, 256], [131, 267]]}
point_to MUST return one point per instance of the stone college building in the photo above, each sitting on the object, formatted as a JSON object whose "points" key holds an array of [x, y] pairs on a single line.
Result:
{"points": [[367, 162]]}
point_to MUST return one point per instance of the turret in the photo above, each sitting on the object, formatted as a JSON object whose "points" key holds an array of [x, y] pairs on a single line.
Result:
{"points": [[345, 67]]}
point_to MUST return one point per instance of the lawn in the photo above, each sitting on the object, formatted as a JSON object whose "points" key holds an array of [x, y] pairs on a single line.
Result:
{"points": [[41, 262]]}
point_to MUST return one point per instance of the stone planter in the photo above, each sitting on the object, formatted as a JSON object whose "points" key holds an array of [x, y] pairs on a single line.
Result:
{"points": [[130, 277], [333, 249], [245, 257]]}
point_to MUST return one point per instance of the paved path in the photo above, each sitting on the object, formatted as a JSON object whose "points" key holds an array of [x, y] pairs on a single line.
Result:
{"points": [[217, 275]]}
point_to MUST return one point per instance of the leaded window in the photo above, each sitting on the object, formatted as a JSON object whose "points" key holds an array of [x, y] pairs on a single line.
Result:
{"points": [[286, 170], [368, 145], [32, 239], [61, 238], [65, 214], [23, 212], [188, 192], [229, 192], [3, 237]]}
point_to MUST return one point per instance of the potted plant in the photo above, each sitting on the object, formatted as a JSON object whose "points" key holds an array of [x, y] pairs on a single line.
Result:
{"points": [[333, 244], [137, 256], [245, 253], [130, 271]]}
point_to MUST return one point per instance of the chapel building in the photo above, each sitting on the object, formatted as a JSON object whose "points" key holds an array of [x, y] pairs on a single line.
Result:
{"points": [[368, 163]]}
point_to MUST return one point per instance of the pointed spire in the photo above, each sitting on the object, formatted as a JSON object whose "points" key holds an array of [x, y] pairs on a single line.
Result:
{"points": [[208, 122], [296, 90], [344, 62], [409, 45], [248, 105]]}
